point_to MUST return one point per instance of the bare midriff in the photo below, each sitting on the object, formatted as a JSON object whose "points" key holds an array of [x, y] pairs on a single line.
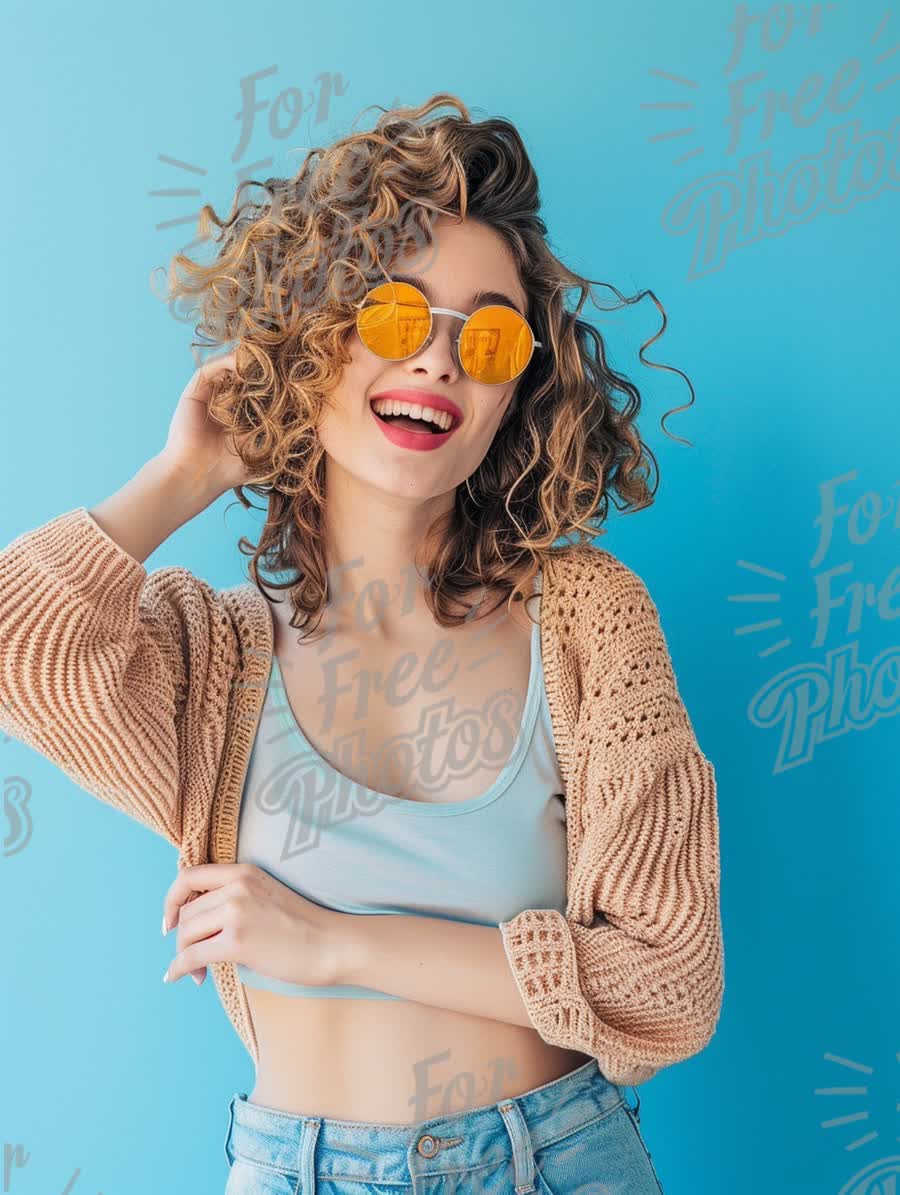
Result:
{"points": [[391, 1062]]}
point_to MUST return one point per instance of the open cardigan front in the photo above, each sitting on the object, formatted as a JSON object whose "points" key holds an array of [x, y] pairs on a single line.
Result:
{"points": [[146, 690]]}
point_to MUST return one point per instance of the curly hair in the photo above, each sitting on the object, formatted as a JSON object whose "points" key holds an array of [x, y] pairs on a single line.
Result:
{"points": [[285, 283]]}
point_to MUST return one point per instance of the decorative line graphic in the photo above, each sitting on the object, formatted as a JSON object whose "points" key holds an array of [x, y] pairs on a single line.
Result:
{"points": [[876, 1178]]}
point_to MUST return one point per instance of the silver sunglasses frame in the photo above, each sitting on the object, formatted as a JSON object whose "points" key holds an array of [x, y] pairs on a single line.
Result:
{"points": [[433, 311]]}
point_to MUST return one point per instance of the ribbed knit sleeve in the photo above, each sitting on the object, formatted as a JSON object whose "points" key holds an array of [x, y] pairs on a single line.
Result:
{"points": [[633, 975], [115, 675]]}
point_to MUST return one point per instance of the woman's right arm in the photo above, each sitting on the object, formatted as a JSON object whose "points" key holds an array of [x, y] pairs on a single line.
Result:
{"points": [[112, 673]]}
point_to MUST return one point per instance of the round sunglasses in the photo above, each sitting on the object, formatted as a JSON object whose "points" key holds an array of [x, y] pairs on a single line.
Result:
{"points": [[495, 344]]}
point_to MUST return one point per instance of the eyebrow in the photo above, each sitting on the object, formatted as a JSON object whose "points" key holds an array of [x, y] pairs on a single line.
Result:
{"points": [[480, 297]]}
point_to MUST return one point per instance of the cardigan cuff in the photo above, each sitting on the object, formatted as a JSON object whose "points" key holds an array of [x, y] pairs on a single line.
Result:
{"points": [[541, 953]]}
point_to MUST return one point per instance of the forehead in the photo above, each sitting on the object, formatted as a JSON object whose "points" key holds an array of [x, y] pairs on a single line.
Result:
{"points": [[467, 265]]}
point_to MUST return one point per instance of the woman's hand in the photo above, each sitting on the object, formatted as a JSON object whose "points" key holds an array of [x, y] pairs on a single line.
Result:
{"points": [[198, 449], [245, 915]]}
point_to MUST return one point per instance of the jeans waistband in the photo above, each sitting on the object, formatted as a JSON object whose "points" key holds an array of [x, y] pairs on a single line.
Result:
{"points": [[513, 1127]]}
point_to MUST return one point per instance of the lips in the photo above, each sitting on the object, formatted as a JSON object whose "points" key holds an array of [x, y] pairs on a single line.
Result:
{"points": [[424, 398], [416, 441]]}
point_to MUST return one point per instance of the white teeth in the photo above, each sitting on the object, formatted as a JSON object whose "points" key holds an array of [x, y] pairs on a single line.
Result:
{"points": [[393, 406]]}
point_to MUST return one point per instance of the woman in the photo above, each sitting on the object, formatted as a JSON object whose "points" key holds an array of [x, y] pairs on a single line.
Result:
{"points": [[454, 866]]}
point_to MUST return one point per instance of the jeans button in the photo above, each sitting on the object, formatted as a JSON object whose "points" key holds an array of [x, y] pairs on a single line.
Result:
{"points": [[427, 1146]]}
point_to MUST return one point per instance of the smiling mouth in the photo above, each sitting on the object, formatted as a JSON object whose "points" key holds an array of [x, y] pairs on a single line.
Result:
{"points": [[422, 426]]}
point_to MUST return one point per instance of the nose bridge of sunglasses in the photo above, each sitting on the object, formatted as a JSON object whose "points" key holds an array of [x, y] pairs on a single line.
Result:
{"points": [[449, 322], [426, 323]]}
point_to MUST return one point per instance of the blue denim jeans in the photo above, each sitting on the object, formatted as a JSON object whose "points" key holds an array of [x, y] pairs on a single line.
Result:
{"points": [[575, 1136]]}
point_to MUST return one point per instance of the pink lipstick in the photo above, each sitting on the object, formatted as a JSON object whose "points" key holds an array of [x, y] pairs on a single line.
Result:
{"points": [[418, 441]]}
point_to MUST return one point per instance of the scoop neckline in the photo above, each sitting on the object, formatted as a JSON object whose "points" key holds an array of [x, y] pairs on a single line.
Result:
{"points": [[433, 808]]}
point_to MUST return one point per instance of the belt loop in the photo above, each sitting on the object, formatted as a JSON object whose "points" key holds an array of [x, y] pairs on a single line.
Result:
{"points": [[637, 1107], [523, 1154], [307, 1154]]}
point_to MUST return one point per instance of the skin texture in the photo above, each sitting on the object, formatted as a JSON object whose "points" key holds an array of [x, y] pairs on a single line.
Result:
{"points": [[464, 1038]]}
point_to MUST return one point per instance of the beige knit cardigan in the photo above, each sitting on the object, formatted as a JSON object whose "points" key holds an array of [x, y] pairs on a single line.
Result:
{"points": [[146, 690]]}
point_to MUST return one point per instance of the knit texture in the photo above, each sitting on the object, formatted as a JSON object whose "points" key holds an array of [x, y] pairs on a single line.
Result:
{"points": [[146, 690]]}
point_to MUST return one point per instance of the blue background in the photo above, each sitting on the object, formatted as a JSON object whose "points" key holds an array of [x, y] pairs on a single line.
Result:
{"points": [[787, 340]]}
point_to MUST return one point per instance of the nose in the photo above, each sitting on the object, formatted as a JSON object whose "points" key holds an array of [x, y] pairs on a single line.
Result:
{"points": [[438, 357]]}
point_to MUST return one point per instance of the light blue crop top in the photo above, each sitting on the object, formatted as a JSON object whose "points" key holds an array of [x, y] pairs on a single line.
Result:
{"points": [[349, 847]]}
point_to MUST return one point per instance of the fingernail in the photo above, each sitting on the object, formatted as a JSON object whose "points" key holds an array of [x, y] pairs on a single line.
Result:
{"points": [[166, 976], [165, 928], [195, 979]]}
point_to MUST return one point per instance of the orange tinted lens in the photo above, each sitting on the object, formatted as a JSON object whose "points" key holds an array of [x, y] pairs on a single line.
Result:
{"points": [[394, 321], [496, 345]]}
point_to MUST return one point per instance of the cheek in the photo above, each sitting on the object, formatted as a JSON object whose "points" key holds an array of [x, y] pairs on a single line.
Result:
{"points": [[487, 427], [357, 379]]}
